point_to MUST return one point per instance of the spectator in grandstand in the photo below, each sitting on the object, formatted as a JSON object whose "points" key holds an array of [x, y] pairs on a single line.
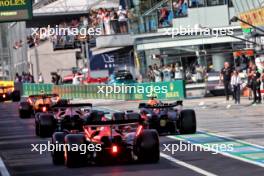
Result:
{"points": [[225, 76], [75, 80], [106, 20], [122, 18], [40, 78], [178, 72], [114, 22], [18, 78], [172, 71], [100, 18], [150, 74], [163, 16], [157, 73], [166, 73], [31, 78], [199, 73], [179, 8], [236, 83]]}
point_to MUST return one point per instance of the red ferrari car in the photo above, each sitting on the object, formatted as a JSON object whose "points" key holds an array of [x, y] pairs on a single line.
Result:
{"points": [[120, 138]]}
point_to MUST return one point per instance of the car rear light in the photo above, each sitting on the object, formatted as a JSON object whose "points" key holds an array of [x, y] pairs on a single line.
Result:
{"points": [[44, 109], [4, 96], [114, 149], [139, 130]]}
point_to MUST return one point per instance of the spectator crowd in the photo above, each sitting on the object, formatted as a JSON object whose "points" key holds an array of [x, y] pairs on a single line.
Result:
{"points": [[24, 78], [109, 21], [174, 71]]}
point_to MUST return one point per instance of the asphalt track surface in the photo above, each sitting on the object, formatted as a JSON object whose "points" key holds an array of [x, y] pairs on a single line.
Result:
{"points": [[17, 135]]}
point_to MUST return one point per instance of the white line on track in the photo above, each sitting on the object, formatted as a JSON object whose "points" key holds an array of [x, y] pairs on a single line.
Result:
{"points": [[3, 169], [220, 152], [189, 166], [225, 135]]}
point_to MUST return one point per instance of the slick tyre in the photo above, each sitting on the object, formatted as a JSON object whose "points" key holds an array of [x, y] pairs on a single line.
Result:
{"points": [[187, 122], [16, 96], [25, 110], [58, 155], [147, 147], [74, 158], [46, 125]]}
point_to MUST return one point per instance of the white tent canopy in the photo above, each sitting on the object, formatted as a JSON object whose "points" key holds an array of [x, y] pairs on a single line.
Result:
{"points": [[106, 4], [66, 7]]}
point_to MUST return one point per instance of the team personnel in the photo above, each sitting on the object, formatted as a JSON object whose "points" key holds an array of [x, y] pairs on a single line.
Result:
{"points": [[256, 82], [225, 76], [236, 85]]}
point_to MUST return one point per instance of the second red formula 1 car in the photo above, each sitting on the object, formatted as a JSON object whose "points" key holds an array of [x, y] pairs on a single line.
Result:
{"points": [[119, 139]]}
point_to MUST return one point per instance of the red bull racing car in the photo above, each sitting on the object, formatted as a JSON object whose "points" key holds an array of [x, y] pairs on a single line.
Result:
{"points": [[168, 118]]}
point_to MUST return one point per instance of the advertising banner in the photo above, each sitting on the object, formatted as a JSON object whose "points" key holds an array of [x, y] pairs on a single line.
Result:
{"points": [[174, 90], [15, 10]]}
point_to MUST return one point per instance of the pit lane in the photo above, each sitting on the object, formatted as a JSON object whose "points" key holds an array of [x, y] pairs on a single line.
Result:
{"points": [[17, 134]]}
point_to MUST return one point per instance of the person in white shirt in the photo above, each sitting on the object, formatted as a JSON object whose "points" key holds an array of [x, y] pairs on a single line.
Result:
{"points": [[157, 74], [166, 74], [40, 78], [75, 80], [122, 18], [236, 85]]}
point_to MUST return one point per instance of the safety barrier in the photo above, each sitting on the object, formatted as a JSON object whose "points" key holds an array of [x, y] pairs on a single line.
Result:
{"points": [[139, 91]]}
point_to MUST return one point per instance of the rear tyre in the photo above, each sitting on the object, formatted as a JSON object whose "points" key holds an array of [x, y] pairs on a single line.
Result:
{"points": [[147, 147], [25, 110], [16, 96], [58, 155], [74, 158], [187, 122], [46, 125]]}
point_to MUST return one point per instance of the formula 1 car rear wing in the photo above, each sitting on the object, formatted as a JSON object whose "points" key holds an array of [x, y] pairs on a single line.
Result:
{"points": [[69, 105], [6, 87], [44, 96], [113, 122], [118, 118], [161, 106]]}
